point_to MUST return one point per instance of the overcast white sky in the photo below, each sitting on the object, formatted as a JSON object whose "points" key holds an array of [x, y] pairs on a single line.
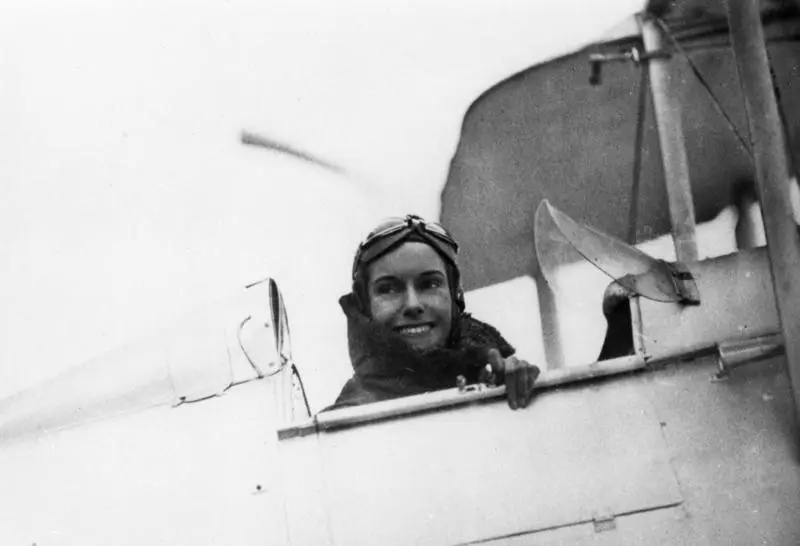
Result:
{"points": [[127, 199]]}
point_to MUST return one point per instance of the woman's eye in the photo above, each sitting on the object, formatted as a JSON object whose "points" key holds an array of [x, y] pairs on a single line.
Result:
{"points": [[386, 288], [432, 283]]}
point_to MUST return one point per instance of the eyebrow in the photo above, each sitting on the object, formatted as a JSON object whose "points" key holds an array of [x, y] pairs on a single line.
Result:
{"points": [[385, 278], [433, 273], [428, 273]]}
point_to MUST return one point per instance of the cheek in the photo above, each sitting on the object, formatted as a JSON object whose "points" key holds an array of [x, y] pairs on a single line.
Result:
{"points": [[383, 309], [447, 319], [442, 302], [443, 306]]}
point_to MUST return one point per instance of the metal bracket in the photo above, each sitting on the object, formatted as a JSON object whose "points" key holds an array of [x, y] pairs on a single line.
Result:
{"points": [[684, 283], [463, 387], [738, 352], [596, 60]]}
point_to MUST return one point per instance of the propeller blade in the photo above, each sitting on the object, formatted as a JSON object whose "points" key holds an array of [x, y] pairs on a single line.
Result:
{"points": [[252, 139]]}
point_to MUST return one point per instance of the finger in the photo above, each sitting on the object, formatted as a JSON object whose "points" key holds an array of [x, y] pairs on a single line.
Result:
{"points": [[496, 360], [512, 380], [524, 384], [525, 388], [529, 375]]}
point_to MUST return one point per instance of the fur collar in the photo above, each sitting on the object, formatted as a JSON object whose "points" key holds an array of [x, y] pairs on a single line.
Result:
{"points": [[387, 367]]}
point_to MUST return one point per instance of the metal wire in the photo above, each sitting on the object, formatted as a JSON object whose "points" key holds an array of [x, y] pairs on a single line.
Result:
{"points": [[296, 374], [717, 106]]}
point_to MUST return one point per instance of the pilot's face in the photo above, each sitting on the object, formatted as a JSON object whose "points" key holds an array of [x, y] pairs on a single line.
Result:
{"points": [[408, 292]]}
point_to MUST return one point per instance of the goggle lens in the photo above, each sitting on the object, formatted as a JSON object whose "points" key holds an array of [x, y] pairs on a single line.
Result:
{"points": [[396, 225]]}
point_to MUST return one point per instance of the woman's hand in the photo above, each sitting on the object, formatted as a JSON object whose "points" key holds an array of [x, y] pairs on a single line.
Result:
{"points": [[519, 376]]}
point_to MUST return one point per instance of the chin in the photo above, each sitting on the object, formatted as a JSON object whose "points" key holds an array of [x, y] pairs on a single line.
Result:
{"points": [[426, 345]]}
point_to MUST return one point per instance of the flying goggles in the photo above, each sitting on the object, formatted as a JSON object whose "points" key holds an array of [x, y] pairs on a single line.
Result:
{"points": [[395, 230]]}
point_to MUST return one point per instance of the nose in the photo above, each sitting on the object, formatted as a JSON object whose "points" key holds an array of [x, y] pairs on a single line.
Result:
{"points": [[413, 305]]}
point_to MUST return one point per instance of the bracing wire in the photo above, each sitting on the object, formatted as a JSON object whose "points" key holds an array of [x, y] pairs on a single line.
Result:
{"points": [[717, 106]]}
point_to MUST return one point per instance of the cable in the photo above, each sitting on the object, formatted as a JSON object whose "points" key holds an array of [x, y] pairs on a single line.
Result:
{"points": [[296, 373], [241, 346], [717, 106]]}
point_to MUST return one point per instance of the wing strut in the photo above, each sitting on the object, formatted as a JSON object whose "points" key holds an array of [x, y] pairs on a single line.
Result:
{"points": [[772, 177], [673, 149]]}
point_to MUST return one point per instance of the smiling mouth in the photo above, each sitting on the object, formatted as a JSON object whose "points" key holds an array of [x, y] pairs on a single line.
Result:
{"points": [[416, 330]]}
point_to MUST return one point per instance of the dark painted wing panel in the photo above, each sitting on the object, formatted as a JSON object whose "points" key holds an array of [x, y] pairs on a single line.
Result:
{"points": [[546, 133]]}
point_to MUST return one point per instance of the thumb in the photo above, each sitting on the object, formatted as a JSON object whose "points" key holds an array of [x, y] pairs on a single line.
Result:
{"points": [[496, 361]]}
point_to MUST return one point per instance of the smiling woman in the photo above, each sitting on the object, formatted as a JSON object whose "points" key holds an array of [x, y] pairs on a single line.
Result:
{"points": [[408, 332], [409, 293]]}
